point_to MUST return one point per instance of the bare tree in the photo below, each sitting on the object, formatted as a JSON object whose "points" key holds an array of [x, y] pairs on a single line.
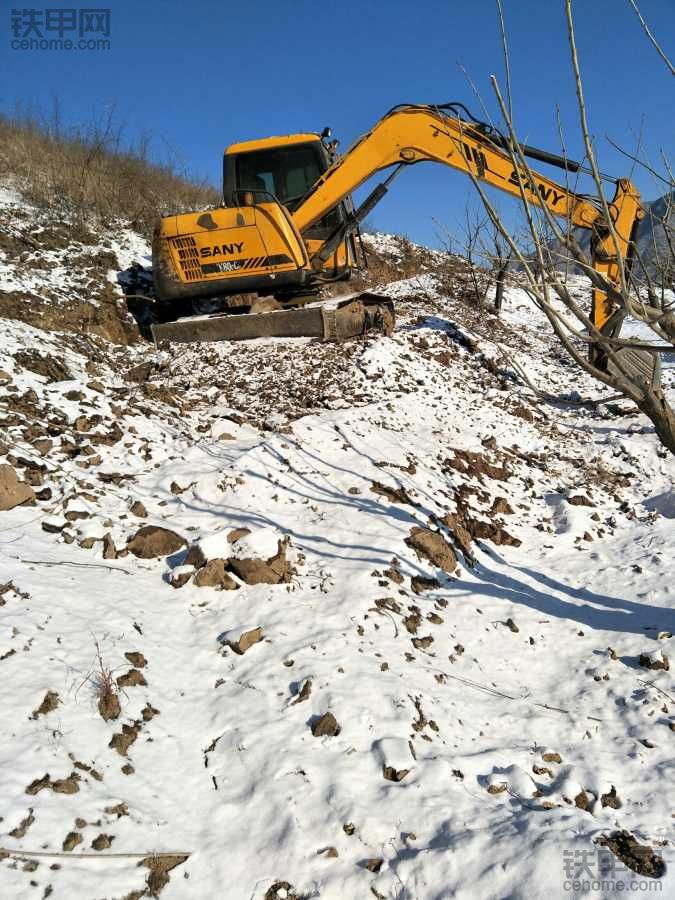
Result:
{"points": [[629, 367]]}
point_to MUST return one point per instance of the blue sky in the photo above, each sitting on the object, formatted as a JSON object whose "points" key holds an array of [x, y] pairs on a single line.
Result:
{"points": [[203, 74]]}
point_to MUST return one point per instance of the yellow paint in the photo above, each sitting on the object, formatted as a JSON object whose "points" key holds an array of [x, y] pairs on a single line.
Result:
{"points": [[408, 135]]}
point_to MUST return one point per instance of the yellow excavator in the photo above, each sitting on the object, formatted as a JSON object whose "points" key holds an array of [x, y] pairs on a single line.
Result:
{"points": [[288, 225]]}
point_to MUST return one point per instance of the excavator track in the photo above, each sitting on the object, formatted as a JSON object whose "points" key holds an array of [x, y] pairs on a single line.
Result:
{"points": [[349, 318]]}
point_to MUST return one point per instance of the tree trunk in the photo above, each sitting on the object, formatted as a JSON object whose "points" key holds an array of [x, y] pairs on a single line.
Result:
{"points": [[499, 287], [655, 406]]}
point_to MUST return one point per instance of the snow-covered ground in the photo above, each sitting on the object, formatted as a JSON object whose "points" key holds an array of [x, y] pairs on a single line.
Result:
{"points": [[494, 711]]}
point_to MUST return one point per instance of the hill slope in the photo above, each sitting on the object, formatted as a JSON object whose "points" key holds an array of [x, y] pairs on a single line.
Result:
{"points": [[470, 581]]}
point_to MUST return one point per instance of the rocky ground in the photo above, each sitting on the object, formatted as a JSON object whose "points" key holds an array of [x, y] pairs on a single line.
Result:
{"points": [[290, 620]]}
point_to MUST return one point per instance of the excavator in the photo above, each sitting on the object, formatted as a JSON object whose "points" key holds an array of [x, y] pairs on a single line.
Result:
{"points": [[287, 225]]}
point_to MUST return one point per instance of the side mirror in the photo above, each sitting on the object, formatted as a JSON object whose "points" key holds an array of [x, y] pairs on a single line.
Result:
{"points": [[326, 133]]}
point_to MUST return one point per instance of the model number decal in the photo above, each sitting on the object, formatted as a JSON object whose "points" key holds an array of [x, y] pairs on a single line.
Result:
{"points": [[229, 266]]}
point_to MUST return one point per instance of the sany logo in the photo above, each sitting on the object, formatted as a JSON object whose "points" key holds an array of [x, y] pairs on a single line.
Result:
{"points": [[222, 249], [546, 193]]}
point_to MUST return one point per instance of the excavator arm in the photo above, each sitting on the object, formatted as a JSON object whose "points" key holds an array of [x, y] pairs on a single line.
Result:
{"points": [[413, 134]]}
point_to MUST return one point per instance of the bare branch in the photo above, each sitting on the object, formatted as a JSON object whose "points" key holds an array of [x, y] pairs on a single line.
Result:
{"points": [[651, 37]]}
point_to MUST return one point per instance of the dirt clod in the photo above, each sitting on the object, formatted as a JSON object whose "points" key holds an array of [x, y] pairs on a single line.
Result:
{"points": [[638, 857], [49, 704], [103, 842], [132, 678], [432, 546], [136, 659], [72, 839]]}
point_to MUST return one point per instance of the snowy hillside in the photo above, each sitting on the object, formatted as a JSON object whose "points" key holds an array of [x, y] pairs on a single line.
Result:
{"points": [[281, 619]]}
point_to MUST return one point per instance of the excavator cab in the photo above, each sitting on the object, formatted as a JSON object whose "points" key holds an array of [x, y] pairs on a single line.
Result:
{"points": [[251, 244]]}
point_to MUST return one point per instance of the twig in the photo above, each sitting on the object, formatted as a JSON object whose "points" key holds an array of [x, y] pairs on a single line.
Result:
{"points": [[66, 562], [651, 37], [151, 854], [656, 688]]}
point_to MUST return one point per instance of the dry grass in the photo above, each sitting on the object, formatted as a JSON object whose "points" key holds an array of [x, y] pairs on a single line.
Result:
{"points": [[91, 175]]}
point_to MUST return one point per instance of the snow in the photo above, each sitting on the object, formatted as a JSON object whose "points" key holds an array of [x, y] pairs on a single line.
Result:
{"points": [[228, 772]]}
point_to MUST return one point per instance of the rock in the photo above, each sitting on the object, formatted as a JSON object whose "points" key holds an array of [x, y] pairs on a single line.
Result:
{"points": [[132, 678], [579, 500], [139, 374], [638, 857], [422, 643], [22, 828], [49, 704], [263, 571], [213, 575], [137, 509], [42, 364], [195, 557], [160, 866], [180, 576], [511, 625], [551, 757], [109, 551], [500, 505], [497, 788], [245, 640], [655, 660], [237, 533], [12, 491], [66, 785], [394, 495], [419, 584], [43, 446], [136, 659], [149, 712], [102, 842], [38, 785], [389, 773], [117, 809], [121, 741], [393, 574], [611, 799], [304, 692], [326, 726], [71, 841], [97, 386], [152, 541], [374, 864], [584, 801], [432, 546]]}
